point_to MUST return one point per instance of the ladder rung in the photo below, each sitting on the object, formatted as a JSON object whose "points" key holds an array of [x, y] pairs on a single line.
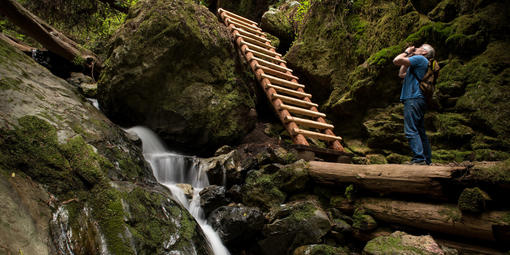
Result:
{"points": [[302, 111], [241, 21], [272, 65], [290, 91], [246, 28], [283, 82], [276, 73], [292, 100], [316, 135], [235, 15], [309, 123], [254, 36], [264, 50], [262, 55], [257, 42]]}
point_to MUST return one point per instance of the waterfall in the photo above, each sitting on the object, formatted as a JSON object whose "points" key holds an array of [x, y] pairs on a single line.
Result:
{"points": [[171, 169]]}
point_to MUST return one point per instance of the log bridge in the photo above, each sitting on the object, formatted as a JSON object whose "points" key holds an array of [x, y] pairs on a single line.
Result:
{"points": [[292, 104]]}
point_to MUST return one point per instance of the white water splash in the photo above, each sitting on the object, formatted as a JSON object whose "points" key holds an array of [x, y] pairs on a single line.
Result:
{"points": [[171, 169]]}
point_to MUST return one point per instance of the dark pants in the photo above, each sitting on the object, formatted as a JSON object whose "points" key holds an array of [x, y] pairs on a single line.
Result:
{"points": [[414, 129]]}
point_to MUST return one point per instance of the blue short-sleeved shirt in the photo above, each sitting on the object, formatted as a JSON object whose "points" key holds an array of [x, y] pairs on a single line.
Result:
{"points": [[410, 86]]}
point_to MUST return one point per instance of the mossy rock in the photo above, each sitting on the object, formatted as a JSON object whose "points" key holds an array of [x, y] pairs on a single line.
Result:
{"points": [[402, 243], [473, 200], [190, 89], [363, 221]]}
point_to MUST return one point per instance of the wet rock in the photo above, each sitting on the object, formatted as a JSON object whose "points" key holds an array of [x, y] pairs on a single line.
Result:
{"points": [[191, 89], [251, 9], [402, 243], [212, 197], [62, 153], [319, 249], [84, 83], [292, 225], [237, 225], [187, 189]]}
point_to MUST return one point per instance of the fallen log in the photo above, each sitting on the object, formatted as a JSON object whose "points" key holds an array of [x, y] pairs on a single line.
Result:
{"points": [[15, 43], [389, 178], [440, 218], [48, 36]]}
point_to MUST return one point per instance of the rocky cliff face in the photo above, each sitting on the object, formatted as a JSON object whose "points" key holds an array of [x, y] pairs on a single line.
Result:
{"points": [[72, 182], [173, 67], [344, 53]]}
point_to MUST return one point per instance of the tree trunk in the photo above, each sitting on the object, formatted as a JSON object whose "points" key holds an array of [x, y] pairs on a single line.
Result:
{"points": [[442, 218], [390, 178], [49, 37]]}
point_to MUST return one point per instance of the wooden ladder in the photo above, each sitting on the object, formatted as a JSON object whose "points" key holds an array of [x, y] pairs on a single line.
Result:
{"points": [[292, 105]]}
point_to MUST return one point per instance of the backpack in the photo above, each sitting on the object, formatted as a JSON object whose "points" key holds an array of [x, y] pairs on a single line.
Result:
{"points": [[428, 82]]}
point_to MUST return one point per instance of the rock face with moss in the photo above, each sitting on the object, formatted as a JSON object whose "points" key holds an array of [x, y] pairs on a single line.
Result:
{"points": [[172, 67], [72, 181], [344, 55]]}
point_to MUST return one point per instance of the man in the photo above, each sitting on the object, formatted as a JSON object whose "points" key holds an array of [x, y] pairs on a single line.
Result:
{"points": [[413, 63]]}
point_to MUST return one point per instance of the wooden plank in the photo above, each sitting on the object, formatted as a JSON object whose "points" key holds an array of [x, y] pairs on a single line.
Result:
{"points": [[254, 41], [289, 91], [272, 65], [260, 49], [302, 111], [279, 81], [242, 22], [220, 10], [254, 36], [244, 27], [267, 57], [276, 72], [308, 123], [316, 135], [294, 101]]}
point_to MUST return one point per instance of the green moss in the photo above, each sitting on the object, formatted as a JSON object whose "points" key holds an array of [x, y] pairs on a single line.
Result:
{"points": [[445, 156], [451, 213], [83, 160], [349, 192], [303, 212], [392, 244], [495, 173], [108, 210], [363, 221], [472, 200]]}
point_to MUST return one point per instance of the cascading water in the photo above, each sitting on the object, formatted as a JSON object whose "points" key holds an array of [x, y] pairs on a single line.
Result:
{"points": [[171, 169]]}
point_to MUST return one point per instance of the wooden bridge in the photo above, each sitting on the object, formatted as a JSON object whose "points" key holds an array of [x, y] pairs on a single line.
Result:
{"points": [[292, 104]]}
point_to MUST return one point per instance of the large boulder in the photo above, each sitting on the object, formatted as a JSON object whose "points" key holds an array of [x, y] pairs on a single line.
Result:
{"points": [[282, 22], [173, 68], [72, 182], [345, 56], [293, 225], [212, 197], [251, 9]]}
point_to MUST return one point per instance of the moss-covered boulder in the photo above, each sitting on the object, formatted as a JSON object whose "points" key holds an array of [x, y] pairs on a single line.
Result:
{"points": [[293, 225], [62, 159], [281, 21], [402, 243], [173, 67], [345, 57], [270, 186]]}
